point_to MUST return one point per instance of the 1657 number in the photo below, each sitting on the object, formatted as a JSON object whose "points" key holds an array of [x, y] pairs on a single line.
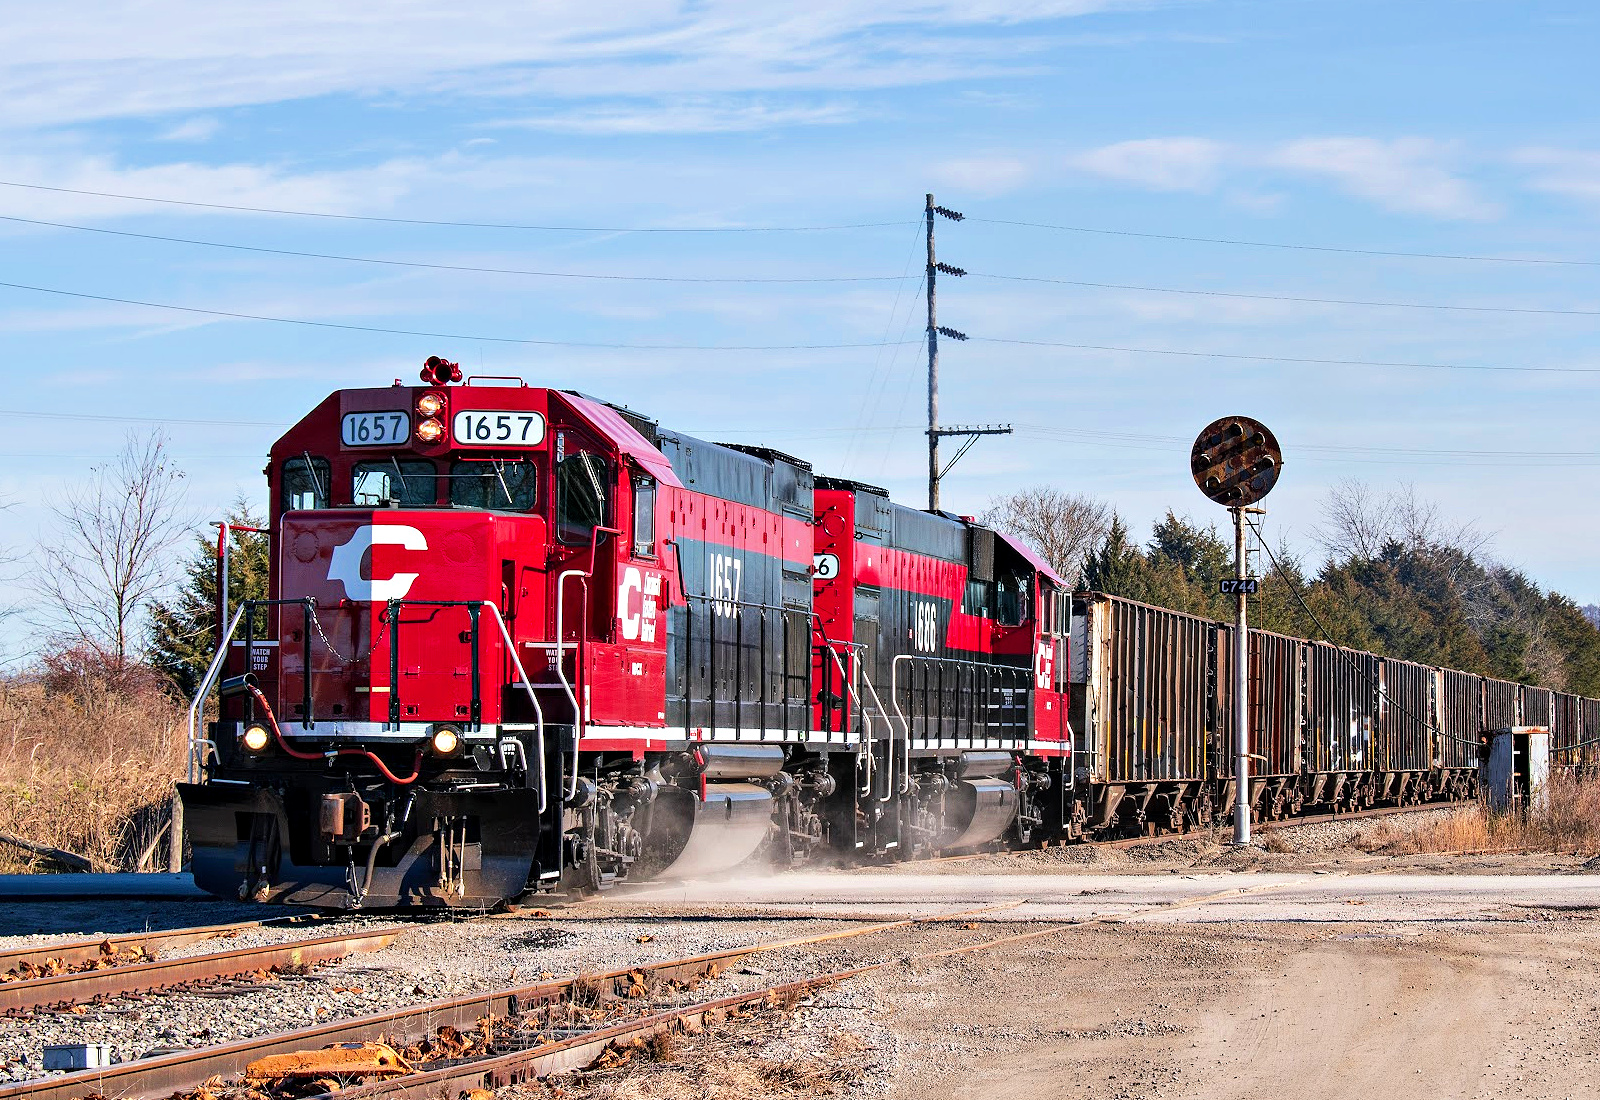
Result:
{"points": [[477, 428]]}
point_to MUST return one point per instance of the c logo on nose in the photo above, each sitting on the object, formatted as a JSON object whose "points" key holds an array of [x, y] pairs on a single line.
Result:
{"points": [[344, 565]]}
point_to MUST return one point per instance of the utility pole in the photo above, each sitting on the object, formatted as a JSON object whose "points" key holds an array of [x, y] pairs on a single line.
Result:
{"points": [[935, 433], [933, 366]]}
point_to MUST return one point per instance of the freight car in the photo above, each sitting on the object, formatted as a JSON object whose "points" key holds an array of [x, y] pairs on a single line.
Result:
{"points": [[519, 637]]}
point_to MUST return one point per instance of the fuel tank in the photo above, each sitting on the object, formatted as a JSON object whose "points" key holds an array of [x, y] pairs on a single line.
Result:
{"points": [[694, 834]]}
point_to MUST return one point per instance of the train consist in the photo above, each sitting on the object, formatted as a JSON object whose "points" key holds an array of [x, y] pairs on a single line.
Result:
{"points": [[519, 638]]}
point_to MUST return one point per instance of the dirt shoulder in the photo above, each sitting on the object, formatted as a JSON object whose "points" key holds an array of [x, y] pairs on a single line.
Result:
{"points": [[1243, 1012]]}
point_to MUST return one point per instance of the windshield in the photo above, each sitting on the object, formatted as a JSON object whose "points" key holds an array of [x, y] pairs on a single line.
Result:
{"points": [[497, 484], [408, 483]]}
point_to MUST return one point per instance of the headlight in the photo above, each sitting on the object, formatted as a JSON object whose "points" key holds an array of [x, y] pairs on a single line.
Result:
{"points": [[446, 741], [429, 404], [430, 431], [256, 738]]}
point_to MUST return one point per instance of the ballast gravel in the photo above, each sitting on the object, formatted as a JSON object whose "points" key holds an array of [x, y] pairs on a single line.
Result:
{"points": [[436, 961]]}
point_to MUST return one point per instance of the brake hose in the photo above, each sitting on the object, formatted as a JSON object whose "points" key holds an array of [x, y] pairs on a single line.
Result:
{"points": [[272, 720]]}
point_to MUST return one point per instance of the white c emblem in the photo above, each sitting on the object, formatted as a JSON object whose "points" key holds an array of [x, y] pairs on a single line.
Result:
{"points": [[631, 582], [345, 564], [1046, 665]]}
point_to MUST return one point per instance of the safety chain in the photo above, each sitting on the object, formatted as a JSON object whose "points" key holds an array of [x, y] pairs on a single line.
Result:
{"points": [[316, 622]]}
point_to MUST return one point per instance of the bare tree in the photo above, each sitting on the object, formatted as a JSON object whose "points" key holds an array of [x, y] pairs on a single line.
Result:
{"points": [[1357, 522], [1062, 526], [110, 552]]}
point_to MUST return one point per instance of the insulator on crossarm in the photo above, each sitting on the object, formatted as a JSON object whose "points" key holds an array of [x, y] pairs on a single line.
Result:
{"points": [[952, 333]]}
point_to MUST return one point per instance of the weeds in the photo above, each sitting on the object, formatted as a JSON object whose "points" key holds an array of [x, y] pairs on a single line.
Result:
{"points": [[88, 766], [1567, 821]]}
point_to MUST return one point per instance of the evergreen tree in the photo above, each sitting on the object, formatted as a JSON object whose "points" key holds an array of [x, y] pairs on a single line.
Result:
{"points": [[1117, 568], [184, 631]]}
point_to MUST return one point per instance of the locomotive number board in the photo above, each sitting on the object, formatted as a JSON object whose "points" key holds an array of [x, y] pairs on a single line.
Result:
{"points": [[497, 428], [375, 429]]}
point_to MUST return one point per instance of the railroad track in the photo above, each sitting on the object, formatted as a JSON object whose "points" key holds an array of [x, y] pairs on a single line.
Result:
{"points": [[167, 1074], [82, 987], [57, 958], [1260, 826]]}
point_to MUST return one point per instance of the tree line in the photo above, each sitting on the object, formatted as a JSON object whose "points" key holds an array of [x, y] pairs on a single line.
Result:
{"points": [[1396, 579]]}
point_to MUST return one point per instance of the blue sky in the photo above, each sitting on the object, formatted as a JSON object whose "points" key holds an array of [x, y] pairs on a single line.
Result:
{"points": [[1462, 128]]}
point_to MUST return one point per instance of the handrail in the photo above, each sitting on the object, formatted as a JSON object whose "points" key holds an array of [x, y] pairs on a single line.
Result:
{"points": [[832, 648], [561, 670], [905, 768], [894, 683], [207, 682], [527, 686]]}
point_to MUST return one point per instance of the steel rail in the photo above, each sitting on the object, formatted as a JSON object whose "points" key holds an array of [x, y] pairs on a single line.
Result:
{"points": [[168, 1073], [577, 1051], [70, 989], [72, 952]]}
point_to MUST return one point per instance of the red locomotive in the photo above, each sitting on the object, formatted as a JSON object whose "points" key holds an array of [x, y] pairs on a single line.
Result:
{"points": [[520, 637]]}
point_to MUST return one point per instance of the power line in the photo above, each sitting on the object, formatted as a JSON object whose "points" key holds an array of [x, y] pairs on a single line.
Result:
{"points": [[1285, 297], [160, 419], [1294, 247], [760, 280], [447, 267], [235, 316], [1326, 453], [523, 340], [1283, 358], [444, 222]]}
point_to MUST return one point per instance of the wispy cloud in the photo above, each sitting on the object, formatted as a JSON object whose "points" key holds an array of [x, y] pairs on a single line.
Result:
{"points": [[1573, 174], [203, 128], [694, 116], [258, 185], [113, 60], [1162, 164], [984, 176], [1408, 175]]}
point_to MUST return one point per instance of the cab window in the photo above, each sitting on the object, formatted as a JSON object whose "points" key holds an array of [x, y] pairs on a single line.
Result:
{"points": [[1011, 601], [304, 484], [644, 517], [496, 485], [582, 503], [408, 483]]}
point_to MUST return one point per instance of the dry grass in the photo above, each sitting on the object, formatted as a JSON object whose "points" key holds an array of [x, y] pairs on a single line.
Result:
{"points": [[1568, 822], [88, 767]]}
